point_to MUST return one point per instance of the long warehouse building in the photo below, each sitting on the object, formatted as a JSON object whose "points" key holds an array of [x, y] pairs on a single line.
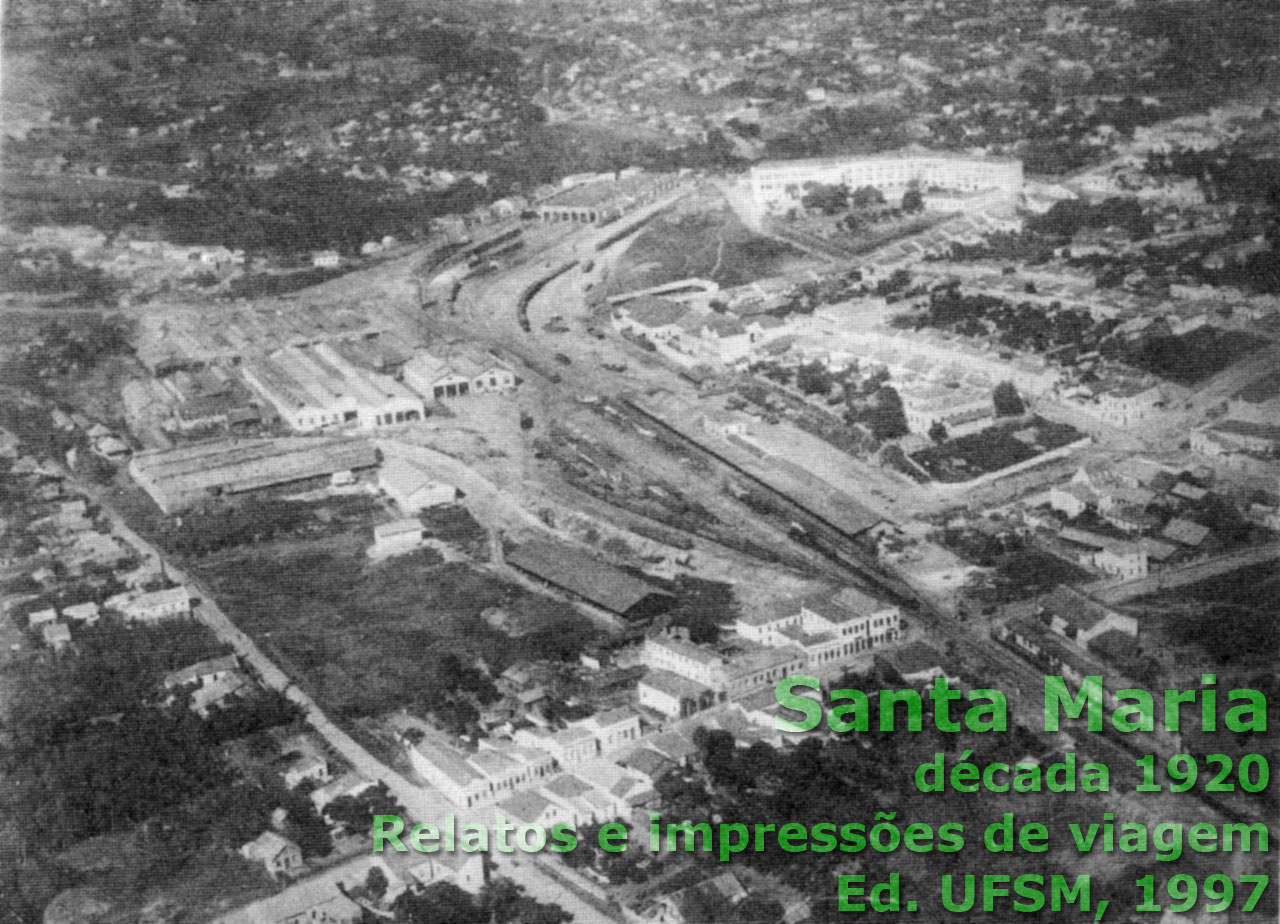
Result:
{"points": [[184, 477], [316, 388]]}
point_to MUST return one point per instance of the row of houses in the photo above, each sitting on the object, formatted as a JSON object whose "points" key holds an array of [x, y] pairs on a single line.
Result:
{"points": [[820, 631], [701, 334], [498, 770], [1150, 516]]}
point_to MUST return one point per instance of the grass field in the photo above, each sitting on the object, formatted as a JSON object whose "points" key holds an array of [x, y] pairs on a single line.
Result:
{"points": [[711, 244], [365, 639]]}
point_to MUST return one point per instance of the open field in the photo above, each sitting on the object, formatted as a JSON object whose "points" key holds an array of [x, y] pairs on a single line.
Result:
{"points": [[709, 243], [1241, 608], [367, 639]]}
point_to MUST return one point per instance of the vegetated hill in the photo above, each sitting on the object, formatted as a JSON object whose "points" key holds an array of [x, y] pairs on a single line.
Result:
{"points": [[709, 244]]}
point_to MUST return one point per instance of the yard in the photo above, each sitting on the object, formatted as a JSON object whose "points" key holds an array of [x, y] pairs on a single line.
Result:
{"points": [[1001, 446]]}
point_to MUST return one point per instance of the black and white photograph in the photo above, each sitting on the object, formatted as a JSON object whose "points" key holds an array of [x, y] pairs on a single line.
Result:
{"points": [[639, 461]]}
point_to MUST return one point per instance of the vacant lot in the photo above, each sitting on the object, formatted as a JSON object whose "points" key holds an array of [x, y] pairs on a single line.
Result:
{"points": [[365, 639], [711, 244], [1239, 606]]}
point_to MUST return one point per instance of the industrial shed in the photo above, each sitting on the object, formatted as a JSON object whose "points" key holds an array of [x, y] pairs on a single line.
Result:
{"points": [[182, 477], [592, 581]]}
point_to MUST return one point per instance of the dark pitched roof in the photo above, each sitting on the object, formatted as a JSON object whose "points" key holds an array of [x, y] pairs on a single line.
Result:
{"points": [[580, 574], [914, 658], [1074, 608]]}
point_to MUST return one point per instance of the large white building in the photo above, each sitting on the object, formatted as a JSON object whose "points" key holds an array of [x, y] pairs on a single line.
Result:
{"points": [[485, 777], [457, 372], [777, 185], [827, 628], [316, 388]]}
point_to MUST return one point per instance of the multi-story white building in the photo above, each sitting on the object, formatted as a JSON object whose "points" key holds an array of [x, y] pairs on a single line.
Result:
{"points": [[961, 411], [693, 662], [779, 184], [828, 627], [483, 778]]}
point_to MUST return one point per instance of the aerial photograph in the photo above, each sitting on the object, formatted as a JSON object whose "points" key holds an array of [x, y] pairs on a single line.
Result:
{"points": [[639, 461]]}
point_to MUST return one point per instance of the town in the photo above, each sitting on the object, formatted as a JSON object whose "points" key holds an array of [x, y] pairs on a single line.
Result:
{"points": [[498, 413]]}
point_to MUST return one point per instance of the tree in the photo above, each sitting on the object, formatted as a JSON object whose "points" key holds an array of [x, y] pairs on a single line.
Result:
{"points": [[439, 903], [867, 197], [825, 197], [355, 813], [938, 432], [813, 378], [912, 199], [717, 751], [375, 883], [888, 419], [1007, 401]]}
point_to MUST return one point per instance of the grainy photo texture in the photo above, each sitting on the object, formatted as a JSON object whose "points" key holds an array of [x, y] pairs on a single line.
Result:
{"points": [[639, 461]]}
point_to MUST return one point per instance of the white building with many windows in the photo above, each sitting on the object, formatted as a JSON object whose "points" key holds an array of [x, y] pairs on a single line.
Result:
{"points": [[827, 628], [777, 185]]}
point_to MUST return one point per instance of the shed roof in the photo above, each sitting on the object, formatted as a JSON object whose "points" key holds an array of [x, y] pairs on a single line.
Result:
{"points": [[584, 576]]}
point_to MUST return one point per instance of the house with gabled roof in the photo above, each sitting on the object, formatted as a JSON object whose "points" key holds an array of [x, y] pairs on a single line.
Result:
{"points": [[532, 808], [202, 672], [1186, 532], [1080, 618], [281, 857], [412, 486], [56, 635], [457, 371]]}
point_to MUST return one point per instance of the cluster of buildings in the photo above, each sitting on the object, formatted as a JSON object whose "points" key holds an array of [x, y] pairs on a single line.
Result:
{"points": [[316, 388], [822, 632], [699, 335], [341, 377], [531, 761], [1144, 516], [133, 607], [1075, 636], [1246, 438], [457, 370]]}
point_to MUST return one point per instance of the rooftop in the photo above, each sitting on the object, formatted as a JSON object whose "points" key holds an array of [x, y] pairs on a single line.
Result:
{"points": [[592, 580], [174, 477], [685, 649], [1074, 608], [672, 684], [527, 806], [914, 658]]}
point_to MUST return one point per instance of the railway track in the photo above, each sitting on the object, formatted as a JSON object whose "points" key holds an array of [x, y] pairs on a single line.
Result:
{"points": [[986, 658]]}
